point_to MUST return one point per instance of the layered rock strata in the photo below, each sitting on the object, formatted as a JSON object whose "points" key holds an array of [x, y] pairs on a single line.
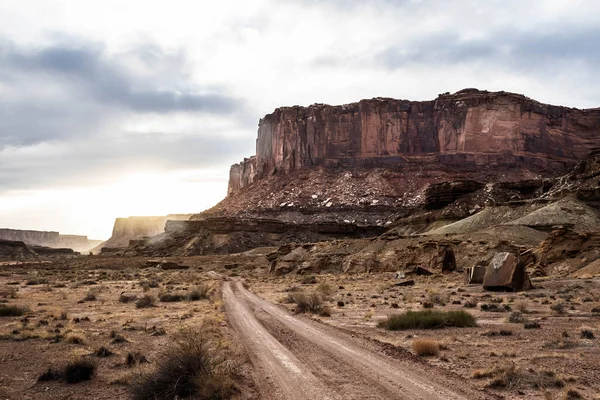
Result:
{"points": [[468, 130]]}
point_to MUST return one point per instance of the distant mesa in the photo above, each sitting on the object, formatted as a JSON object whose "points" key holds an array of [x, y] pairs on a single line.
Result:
{"points": [[49, 239], [135, 228]]}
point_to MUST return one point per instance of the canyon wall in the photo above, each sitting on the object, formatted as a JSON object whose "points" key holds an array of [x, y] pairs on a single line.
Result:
{"points": [[469, 129], [49, 239]]}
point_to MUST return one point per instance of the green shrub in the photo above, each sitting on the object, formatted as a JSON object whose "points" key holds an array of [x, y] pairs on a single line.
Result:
{"points": [[428, 319]]}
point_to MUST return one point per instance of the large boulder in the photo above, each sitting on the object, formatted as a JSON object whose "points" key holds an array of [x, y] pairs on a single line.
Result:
{"points": [[506, 273]]}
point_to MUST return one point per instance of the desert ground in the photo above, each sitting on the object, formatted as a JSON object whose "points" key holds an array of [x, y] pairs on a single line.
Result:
{"points": [[122, 315]]}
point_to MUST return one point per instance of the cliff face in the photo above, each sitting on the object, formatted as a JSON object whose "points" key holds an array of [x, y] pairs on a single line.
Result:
{"points": [[49, 239], [468, 129], [131, 228]]}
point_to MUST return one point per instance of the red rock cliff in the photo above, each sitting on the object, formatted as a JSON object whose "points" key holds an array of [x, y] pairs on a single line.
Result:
{"points": [[468, 129]]}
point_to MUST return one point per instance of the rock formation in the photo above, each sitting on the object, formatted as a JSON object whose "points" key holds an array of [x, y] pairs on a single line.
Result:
{"points": [[468, 130], [133, 228], [49, 239]]}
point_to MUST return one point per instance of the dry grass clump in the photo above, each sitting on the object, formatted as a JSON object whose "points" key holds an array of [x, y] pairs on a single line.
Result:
{"points": [[426, 347], [75, 371], [512, 377], [170, 297], [571, 394], [470, 303], [127, 298], [75, 339], [90, 296], [145, 301], [325, 290], [309, 302], [200, 292], [559, 308], [516, 317], [135, 358], [12, 310], [437, 298], [428, 319], [193, 366], [8, 292]]}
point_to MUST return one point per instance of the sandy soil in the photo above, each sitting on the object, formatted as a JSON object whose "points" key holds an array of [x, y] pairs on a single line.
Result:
{"points": [[557, 347], [299, 359]]}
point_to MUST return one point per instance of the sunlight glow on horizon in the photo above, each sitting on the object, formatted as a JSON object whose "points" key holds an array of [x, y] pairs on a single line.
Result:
{"points": [[91, 211]]}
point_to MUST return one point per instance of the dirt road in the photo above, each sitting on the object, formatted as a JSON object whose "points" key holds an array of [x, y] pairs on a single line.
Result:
{"points": [[296, 358]]}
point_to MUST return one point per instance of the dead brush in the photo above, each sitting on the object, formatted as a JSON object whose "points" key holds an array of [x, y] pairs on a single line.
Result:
{"points": [[195, 365], [426, 347], [309, 302], [435, 297], [511, 377]]}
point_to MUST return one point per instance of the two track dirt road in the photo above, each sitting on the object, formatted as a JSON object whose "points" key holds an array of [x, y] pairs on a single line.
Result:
{"points": [[297, 359]]}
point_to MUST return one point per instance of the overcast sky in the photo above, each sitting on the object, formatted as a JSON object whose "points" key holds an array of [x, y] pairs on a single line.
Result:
{"points": [[116, 108]]}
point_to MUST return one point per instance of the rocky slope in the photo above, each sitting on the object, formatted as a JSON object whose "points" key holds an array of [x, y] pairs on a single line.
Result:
{"points": [[49, 239], [369, 161], [474, 171]]}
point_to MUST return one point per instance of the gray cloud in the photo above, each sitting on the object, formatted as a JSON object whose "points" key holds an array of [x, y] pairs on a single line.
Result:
{"points": [[64, 108], [524, 50], [87, 69]]}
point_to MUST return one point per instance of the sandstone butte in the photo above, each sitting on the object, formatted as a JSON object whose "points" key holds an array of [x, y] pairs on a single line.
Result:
{"points": [[467, 130]]}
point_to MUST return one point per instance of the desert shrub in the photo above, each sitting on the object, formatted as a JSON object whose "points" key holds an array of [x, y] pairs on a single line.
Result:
{"points": [[193, 366], [587, 334], [308, 280], [127, 298], [340, 303], [309, 302], [37, 281], [79, 370], [103, 352], [145, 301], [596, 310], [135, 358], [470, 304], [324, 289], [199, 292], [515, 317], [511, 377], [426, 347], [532, 325], [170, 297], [558, 308], [502, 332], [8, 292], [493, 307], [90, 296], [427, 304], [437, 298], [12, 311], [49, 375], [75, 339], [571, 394], [428, 319], [522, 306]]}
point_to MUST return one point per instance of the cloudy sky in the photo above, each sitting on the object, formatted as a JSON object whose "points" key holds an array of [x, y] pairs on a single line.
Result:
{"points": [[116, 108]]}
